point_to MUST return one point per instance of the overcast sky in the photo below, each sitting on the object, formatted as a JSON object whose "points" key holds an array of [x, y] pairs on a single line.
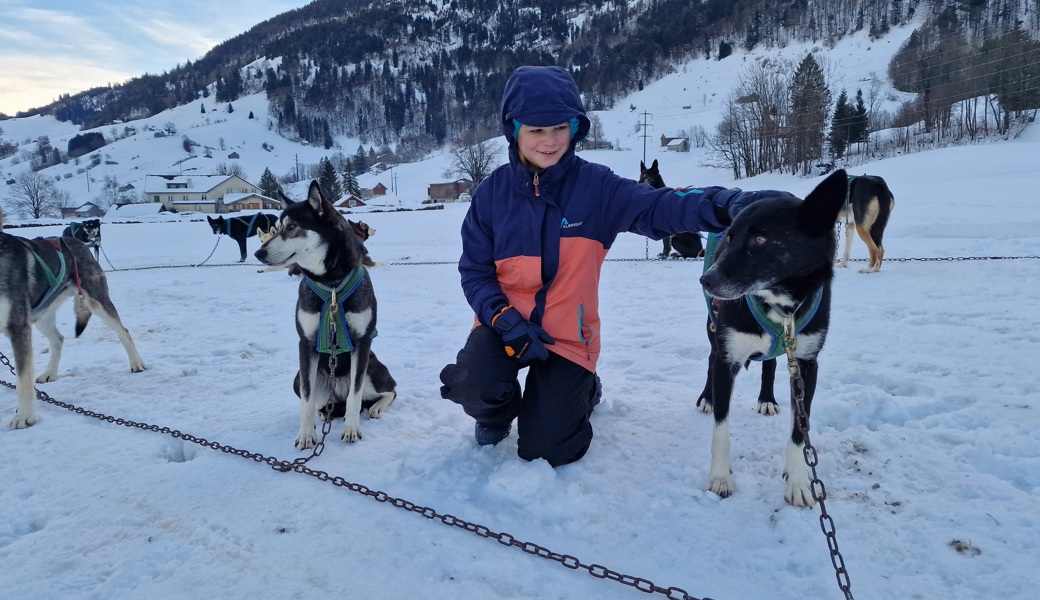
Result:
{"points": [[52, 47]]}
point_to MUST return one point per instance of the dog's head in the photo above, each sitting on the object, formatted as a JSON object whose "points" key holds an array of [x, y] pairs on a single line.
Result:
{"points": [[217, 224], [779, 248], [304, 233], [362, 230], [91, 227], [651, 175], [264, 234]]}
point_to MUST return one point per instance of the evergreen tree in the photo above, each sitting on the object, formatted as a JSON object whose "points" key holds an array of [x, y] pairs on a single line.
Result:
{"points": [[350, 182], [360, 160], [269, 185], [230, 108], [810, 100], [328, 182], [202, 108], [841, 125], [860, 132]]}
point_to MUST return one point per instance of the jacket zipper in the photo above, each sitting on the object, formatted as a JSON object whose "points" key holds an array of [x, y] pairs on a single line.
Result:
{"points": [[536, 185]]}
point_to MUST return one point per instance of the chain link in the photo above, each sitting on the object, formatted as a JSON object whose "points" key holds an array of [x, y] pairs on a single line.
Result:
{"points": [[816, 487], [299, 466]]}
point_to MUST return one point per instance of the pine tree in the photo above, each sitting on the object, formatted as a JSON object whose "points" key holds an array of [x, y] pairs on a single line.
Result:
{"points": [[360, 160], [329, 183], [350, 182], [860, 132], [810, 100], [202, 108], [841, 125], [269, 185]]}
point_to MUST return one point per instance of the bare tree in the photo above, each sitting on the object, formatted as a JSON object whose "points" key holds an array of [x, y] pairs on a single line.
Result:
{"points": [[230, 169], [35, 196], [474, 155], [596, 133]]}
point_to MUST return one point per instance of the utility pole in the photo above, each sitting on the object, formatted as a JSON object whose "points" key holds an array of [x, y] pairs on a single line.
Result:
{"points": [[644, 134]]}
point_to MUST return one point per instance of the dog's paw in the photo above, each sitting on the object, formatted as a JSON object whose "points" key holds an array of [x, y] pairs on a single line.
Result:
{"points": [[138, 367], [21, 421], [704, 405], [798, 491], [722, 486], [768, 408], [47, 378], [380, 407], [841, 264], [350, 433], [306, 439]]}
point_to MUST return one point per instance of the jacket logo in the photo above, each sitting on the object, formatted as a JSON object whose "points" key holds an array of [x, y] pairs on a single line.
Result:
{"points": [[565, 224]]}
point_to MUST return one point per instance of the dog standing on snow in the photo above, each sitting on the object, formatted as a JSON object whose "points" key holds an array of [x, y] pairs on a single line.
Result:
{"points": [[335, 315], [773, 266], [36, 277]]}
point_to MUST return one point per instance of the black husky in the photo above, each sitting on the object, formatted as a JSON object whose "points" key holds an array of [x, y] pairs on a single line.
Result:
{"points": [[867, 209], [240, 228], [88, 232], [36, 277], [686, 245], [335, 316], [773, 268]]}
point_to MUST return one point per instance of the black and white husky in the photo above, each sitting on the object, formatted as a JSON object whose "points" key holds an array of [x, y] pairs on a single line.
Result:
{"points": [[335, 315], [774, 264], [36, 276]]}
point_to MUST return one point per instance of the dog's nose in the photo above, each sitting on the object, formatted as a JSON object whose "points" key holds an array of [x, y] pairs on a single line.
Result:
{"points": [[260, 254]]}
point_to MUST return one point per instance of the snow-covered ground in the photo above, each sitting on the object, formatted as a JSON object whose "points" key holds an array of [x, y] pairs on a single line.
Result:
{"points": [[925, 421]]}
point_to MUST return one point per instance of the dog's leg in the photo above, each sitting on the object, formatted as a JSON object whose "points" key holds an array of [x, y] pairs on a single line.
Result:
{"points": [[384, 402], [312, 396], [49, 328], [667, 251], [797, 486], [844, 262], [20, 332], [872, 248], [766, 399], [99, 302], [241, 248], [720, 475], [358, 366], [704, 402]]}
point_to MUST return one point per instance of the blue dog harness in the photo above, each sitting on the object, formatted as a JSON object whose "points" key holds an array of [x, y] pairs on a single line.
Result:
{"points": [[249, 225], [774, 328], [333, 335]]}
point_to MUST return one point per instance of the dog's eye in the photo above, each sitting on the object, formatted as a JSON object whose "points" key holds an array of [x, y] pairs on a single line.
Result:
{"points": [[289, 226]]}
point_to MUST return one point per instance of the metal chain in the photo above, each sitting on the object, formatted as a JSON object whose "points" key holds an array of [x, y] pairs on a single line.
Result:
{"points": [[299, 466], [210, 252], [816, 487], [105, 254]]}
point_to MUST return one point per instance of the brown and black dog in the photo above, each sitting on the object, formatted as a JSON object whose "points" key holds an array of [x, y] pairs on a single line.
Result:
{"points": [[867, 208]]}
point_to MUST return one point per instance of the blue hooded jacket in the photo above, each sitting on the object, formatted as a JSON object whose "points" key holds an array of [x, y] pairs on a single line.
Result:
{"points": [[537, 241]]}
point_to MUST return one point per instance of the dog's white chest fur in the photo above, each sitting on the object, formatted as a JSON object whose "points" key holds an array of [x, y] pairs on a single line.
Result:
{"points": [[357, 322]]}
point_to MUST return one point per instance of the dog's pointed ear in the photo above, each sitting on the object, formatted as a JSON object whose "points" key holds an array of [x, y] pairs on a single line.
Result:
{"points": [[323, 207], [654, 165], [286, 201], [209, 218], [642, 167], [818, 213]]}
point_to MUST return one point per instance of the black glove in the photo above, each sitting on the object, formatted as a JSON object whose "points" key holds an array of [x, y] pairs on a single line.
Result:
{"points": [[524, 340], [722, 215]]}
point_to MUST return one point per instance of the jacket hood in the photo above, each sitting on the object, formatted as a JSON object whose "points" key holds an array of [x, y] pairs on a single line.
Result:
{"points": [[541, 97]]}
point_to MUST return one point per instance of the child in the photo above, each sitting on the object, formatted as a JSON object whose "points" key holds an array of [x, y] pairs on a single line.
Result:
{"points": [[533, 244]]}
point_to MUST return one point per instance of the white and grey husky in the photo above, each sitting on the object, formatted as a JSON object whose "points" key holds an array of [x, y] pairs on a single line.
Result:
{"points": [[36, 276], [335, 316]]}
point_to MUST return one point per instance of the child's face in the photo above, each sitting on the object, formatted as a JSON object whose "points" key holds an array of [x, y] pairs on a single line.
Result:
{"points": [[542, 147]]}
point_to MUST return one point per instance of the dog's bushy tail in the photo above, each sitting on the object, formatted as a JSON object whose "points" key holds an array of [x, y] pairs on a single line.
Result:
{"points": [[82, 313]]}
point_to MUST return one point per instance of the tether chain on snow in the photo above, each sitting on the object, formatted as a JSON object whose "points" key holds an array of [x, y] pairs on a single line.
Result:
{"points": [[299, 466], [816, 487]]}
